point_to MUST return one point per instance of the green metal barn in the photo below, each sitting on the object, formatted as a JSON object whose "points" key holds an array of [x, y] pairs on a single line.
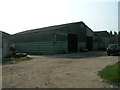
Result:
{"points": [[63, 38]]}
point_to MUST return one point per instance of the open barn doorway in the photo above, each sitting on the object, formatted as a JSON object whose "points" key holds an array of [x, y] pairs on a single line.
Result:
{"points": [[72, 43], [89, 43]]}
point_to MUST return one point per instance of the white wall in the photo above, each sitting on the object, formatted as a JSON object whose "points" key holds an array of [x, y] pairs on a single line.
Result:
{"points": [[0, 44], [5, 44], [5, 50], [0, 60]]}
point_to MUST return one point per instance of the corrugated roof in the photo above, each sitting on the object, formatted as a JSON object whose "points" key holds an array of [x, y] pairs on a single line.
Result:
{"points": [[5, 32], [44, 29], [102, 33]]}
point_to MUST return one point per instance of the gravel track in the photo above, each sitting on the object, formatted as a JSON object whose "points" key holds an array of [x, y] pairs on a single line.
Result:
{"points": [[55, 72]]}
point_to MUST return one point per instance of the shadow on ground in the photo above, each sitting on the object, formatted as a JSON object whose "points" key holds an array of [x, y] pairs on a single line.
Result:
{"points": [[6, 61], [77, 55]]}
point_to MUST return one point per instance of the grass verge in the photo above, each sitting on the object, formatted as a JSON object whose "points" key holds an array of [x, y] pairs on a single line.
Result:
{"points": [[20, 59], [111, 74]]}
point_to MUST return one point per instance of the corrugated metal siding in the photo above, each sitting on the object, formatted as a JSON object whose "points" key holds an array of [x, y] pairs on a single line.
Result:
{"points": [[35, 47], [60, 42], [61, 47], [42, 47]]}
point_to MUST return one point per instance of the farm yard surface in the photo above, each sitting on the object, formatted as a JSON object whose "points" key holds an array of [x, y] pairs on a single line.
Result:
{"points": [[74, 70]]}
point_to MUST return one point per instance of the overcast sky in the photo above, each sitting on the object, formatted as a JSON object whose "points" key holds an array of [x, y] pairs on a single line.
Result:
{"points": [[21, 15]]}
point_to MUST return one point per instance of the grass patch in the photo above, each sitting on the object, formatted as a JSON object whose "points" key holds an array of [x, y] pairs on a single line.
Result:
{"points": [[20, 59], [111, 74]]}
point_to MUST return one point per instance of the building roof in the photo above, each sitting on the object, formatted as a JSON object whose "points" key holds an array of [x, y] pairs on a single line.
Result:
{"points": [[102, 33], [45, 28], [4, 33]]}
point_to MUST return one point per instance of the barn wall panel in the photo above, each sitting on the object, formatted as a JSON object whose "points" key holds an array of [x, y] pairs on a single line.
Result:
{"points": [[35, 47]]}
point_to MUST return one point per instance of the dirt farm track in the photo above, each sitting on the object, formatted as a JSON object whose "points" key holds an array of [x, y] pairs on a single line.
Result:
{"points": [[77, 70]]}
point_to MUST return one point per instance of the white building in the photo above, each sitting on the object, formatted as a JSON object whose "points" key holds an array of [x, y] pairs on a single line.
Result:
{"points": [[0, 44], [4, 44]]}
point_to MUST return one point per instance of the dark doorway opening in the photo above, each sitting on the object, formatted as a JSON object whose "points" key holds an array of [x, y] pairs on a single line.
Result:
{"points": [[89, 43], [72, 43]]}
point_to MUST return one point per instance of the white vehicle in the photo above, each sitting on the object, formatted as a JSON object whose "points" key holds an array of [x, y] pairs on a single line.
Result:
{"points": [[113, 49]]}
